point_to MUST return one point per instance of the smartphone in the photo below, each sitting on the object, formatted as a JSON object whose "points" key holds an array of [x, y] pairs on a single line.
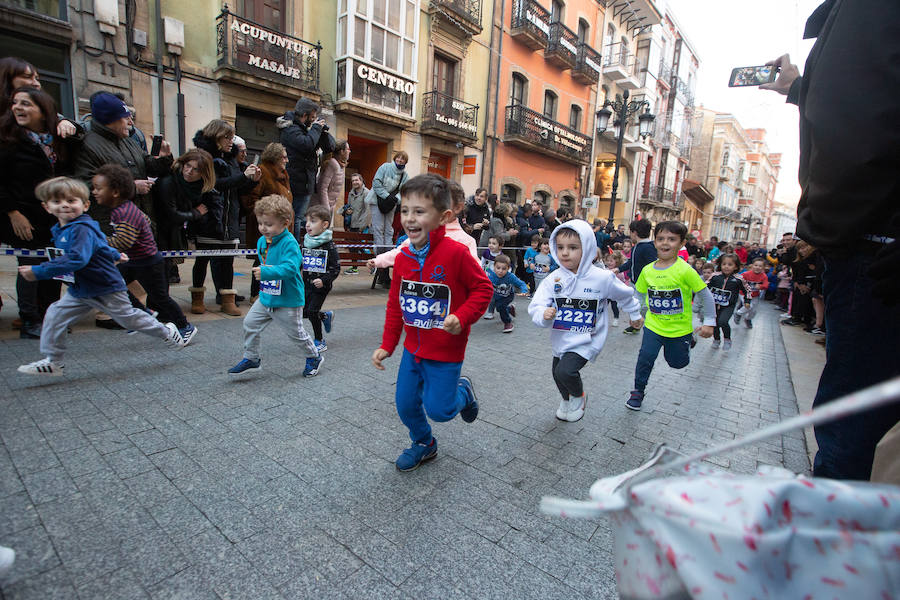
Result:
{"points": [[744, 76], [157, 145], [256, 160]]}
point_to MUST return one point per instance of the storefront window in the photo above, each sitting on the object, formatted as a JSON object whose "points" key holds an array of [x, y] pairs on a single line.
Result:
{"points": [[51, 8]]}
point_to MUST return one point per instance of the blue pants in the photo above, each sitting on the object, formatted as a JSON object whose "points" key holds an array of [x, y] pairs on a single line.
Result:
{"points": [[501, 303], [860, 351], [676, 350], [427, 387]]}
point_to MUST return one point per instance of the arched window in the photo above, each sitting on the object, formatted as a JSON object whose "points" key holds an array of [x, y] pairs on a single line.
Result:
{"points": [[550, 101], [584, 30], [509, 193], [610, 38], [575, 117], [518, 90], [542, 197], [556, 11]]}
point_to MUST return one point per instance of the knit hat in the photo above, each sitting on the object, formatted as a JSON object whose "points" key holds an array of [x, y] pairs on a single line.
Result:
{"points": [[106, 108]]}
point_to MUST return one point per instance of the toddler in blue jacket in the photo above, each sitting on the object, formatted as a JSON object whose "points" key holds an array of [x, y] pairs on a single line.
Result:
{"points": [[86, 262]]}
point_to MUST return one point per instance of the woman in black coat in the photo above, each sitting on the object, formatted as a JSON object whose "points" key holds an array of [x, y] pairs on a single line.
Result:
{"points": [[31, 152]]}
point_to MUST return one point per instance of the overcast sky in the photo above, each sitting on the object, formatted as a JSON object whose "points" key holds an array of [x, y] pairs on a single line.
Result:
{"points": [[740, 33]]}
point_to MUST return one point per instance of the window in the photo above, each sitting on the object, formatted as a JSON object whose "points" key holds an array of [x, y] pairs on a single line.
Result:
{"points": [[269, 13], [610, 35], [383, 33], [542, 197], [556, 11], [444, 77], [518, 90], [575, 117], [550, 100], [583, 32], [509, 193]]}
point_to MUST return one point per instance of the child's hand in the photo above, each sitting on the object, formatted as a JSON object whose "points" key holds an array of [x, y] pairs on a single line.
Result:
{"points": [[317, 283], [256, 272], [370, 263], [706, 331], [452, 325], [549, 313], [27, 274], [638, 323], [123, 258], [378, 356]]}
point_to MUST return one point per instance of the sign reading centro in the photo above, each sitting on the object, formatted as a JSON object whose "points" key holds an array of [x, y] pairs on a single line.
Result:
{"points": [[387, 80]]}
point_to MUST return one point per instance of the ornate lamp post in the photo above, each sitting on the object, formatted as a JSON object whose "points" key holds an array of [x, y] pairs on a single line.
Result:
{"points": [[622, 109]]}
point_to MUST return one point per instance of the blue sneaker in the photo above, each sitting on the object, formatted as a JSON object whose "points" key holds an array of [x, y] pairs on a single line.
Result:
{"points": [[327, 320], [469, 412], [635, 400], [313, 364], [321, 346], [415, 455], [245, 365], [188, 333]]}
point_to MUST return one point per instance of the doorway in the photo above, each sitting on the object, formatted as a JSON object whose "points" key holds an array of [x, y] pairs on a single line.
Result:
{"points": [[257, 128], [439, 164], [366, 155]]}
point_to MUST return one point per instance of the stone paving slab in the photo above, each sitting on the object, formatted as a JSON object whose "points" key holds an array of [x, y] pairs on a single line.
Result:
{"points": [[150, 473]]}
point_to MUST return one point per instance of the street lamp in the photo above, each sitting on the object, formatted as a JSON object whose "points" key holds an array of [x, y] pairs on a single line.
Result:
{"points": [[622, 109]]}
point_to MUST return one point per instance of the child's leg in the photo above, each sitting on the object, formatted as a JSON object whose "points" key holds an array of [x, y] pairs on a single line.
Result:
{"points": [[59, 316], [677, 351], [751, 312], [532, 284], [153, 279], [650, 347], [314, 301], [256, 320], [291, 320], [408, 398], [819, 307], [491, 307], [122, 312], [502, 303], [615, 310], [567, 376], [442, 395], [723, 318]]}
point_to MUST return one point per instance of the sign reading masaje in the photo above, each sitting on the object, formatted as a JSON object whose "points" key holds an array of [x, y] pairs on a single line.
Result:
{"points": [[273, 41]]}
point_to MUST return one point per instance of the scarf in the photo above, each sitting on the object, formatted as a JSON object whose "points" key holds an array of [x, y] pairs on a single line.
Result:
{"points": [[314, 241], [193, 191], [419, 255], [45, 141]]}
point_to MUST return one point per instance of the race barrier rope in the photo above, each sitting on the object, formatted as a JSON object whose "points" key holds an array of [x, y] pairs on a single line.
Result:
{"points": [[7, 251]]}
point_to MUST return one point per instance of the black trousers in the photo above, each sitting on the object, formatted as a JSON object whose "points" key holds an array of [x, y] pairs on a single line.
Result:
{"points": [[312, 310], [155, 281], [566, 374], [723, 317], [221, 267], [35, 296]]}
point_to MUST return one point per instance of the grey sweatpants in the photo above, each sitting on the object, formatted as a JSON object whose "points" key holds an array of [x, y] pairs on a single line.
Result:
{"points": [[69, 309], [748, 313], [291, 320]]}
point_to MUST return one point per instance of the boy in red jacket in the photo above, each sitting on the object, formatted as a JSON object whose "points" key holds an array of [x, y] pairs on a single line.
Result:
{"points": [[438, 291], [755, 283]]}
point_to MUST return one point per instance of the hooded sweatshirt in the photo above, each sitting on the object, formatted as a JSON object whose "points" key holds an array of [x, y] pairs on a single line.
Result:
{"points": [[87, 255], [589, 283]]}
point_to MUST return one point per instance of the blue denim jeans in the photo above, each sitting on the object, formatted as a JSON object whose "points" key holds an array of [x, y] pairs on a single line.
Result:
{"points": [[676, 351], [300, 204], [427, 387], [861, 349], [501, 304]]}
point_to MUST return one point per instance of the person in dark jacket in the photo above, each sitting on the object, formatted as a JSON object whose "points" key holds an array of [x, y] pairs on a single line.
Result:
{"points": [[478, 214], [186, 202], [526, 224], [217, 138], [643, 253], [318, 274], [849, 210], [30, 153], [302, 134]]}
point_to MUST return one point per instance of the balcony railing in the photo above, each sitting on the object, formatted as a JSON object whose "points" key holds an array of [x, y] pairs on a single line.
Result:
{"points": [[660, 195], [683, 90], [449, 115], [530, 23], [665, 73], [618, 62], [562, 46], [588, 65], [467, 12], [532, 130], [724, 212], [246, 46]]}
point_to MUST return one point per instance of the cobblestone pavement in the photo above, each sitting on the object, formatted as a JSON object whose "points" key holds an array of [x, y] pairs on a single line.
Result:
{"points": [[149, 473]]}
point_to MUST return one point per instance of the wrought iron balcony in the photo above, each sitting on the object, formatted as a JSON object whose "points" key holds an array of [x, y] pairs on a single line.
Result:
{"points": [[724, 212], [562, 46], [530, 23], [449, 117], [533, 131], [665, 74], [658, 194], [588, 65], [618, 65], [464, 14], [246, 47]]}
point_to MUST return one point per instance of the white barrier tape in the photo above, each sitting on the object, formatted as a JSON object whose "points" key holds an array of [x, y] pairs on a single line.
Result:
{"points": [[4, 251]]}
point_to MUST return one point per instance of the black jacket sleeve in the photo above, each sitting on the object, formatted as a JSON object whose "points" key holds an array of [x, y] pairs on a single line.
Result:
{"points": [[333, 265]]}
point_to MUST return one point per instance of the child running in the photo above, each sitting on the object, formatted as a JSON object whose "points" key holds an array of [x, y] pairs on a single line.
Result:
{"points": [[281, 294], [726, 288], [505, 286], [321, 266], [612, 262], [437, 293], [494, 249], [668, 283], [113, 187], [528, 261], [573, 302], [755, 283], [543, 262], [88, 263]]}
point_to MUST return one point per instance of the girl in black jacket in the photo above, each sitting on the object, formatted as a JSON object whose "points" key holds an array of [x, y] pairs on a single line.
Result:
{"points": [[31, 152], [726, 289]]}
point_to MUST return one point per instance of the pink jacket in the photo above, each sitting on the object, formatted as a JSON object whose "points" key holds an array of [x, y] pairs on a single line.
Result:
{"points": [[452, 230]]}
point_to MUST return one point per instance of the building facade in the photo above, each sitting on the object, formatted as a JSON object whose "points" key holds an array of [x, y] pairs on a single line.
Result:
{"points": [[758, 195], [782, 220]]}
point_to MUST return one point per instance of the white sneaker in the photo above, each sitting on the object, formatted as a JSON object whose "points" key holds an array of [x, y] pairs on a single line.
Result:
{"points": [[726, 345], [785, 315], [576, 408], [488, 315], [615, 322], [174, 339], [7, 558], [45, 366], [563, 410]]}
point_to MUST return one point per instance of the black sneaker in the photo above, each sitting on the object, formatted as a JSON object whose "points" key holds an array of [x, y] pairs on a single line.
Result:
{"points": [[630, 330], [749, 324], [635, 400]]}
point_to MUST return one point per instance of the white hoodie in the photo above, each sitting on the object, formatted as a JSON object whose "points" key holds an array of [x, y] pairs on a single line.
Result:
{"points": [[590, 283]]}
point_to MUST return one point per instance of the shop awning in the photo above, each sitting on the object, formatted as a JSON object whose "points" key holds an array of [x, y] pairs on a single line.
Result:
{"points": [[696, 192]]}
